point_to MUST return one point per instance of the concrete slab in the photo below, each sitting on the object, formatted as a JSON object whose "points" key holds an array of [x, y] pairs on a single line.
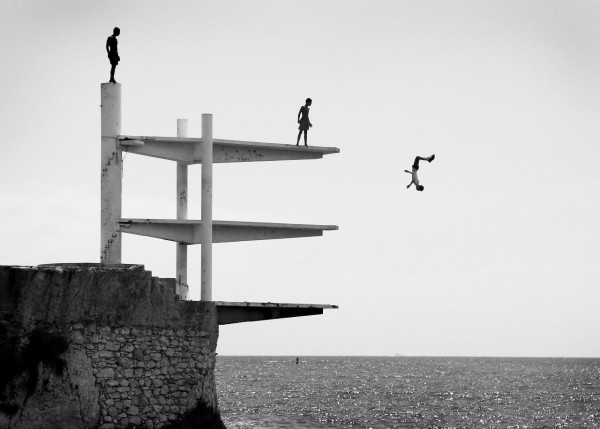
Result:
{"points": [[188, 231], [187, 150], [238, 312]]}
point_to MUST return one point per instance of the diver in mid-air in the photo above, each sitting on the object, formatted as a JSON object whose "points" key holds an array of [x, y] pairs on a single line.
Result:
{"points": [[415, 168]]}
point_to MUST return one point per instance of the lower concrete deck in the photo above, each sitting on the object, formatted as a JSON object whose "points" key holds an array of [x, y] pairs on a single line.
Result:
{"points": [[238, 312]]}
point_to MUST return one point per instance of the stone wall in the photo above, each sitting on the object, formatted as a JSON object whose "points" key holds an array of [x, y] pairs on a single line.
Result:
{"points": [[147, 376], [137, 356]]}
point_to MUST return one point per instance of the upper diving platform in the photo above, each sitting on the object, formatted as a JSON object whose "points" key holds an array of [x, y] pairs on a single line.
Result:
{"points": [[189, 231], [188, 150]]}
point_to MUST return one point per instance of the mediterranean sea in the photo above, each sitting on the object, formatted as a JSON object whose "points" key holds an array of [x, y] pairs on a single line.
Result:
{"points": [[408, 392]]}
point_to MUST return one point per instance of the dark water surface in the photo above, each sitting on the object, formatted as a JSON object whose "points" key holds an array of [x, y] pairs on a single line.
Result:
{"points": [[408, 392]]}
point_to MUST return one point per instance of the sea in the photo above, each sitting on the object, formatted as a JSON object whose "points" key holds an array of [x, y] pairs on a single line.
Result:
{"points": [[408, 392]]}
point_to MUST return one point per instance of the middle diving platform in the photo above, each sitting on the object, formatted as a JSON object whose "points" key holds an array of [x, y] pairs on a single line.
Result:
{"points": [[187, 231]]}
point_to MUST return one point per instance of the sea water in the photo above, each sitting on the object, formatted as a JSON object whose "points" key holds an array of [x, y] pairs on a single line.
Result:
{"points": [[408, 392]]}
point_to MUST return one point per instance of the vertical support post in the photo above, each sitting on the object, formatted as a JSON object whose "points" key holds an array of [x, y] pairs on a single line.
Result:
{"points": [[182, 193], [206, 228], [111, 174], [181, 255]]}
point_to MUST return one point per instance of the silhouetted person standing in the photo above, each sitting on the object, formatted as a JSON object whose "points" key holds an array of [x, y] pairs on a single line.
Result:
{"points": [[415, 168], [304, 121], [113, 52]]}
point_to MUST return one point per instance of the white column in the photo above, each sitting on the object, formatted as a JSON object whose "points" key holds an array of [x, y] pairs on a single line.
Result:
{"points": [[206, 229], [111, 174], [182, 213]]}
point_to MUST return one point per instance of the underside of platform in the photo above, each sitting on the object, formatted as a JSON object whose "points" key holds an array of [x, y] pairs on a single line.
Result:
{"points": [[188, 231], [187, 150], [238, 312]]}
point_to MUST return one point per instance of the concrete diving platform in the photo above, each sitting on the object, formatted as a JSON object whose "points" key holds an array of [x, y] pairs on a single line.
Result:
{"points": [[188, 150], [238, 312], [189, 231]]}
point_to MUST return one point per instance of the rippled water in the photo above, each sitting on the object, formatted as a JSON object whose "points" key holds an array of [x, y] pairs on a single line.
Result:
{"points": [[408, 392]]}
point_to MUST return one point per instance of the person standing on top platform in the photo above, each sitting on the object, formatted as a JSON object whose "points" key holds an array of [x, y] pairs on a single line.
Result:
{"points": [[304, 121], [113, 52]]}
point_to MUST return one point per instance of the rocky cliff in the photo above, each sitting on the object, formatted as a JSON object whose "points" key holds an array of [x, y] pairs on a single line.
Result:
{"points": [[103, 346]]}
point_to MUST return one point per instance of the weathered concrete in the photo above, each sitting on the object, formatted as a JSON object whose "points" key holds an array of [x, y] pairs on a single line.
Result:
{"points": [[181, 252], [189, 231], [187, 150], [206, 226], [111, 174], [239, 312], [137, 356]]}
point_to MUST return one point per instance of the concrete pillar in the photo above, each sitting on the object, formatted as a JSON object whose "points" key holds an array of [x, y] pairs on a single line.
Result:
{"points": [[206, 228], [111, 174], [182, 213]]}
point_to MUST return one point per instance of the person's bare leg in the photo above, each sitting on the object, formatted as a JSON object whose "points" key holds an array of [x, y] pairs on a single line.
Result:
{"points": [[305, 133], [423, 158], [298, 139], [112, 73]]}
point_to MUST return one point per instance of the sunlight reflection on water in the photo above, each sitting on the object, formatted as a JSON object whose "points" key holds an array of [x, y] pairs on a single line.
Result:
{"points": [[407, 392]]}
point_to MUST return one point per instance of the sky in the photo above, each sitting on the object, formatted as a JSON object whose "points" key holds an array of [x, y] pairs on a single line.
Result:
{"points": [[497, 257]]}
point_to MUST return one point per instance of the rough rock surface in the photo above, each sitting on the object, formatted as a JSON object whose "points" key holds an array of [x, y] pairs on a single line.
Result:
{"points": [[111, 294], [137, 356], [69, 401]]}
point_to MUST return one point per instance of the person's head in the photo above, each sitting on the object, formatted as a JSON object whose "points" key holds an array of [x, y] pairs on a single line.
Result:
{"points": [[308, 101], [420, 187], [116, 31]]}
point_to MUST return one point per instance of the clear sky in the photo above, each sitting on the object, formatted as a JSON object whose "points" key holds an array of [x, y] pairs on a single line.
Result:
{"points": [[497, 257]]}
